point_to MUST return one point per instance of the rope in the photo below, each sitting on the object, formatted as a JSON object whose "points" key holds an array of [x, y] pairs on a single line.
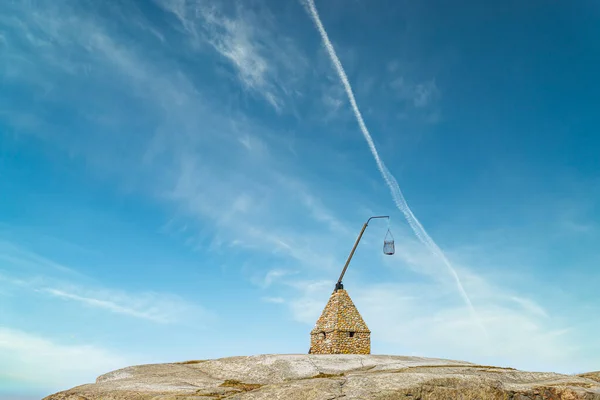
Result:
{"points": [[389, 233]]}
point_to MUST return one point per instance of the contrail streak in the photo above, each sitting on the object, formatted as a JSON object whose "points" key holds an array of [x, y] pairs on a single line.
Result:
{"points": [[387, 176]]}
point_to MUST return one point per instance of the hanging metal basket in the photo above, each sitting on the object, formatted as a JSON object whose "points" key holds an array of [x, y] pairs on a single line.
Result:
{"points": [[388, 244]]}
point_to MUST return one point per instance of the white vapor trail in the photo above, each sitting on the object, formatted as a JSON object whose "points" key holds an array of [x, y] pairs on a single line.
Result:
{"points": [[387, 176]]}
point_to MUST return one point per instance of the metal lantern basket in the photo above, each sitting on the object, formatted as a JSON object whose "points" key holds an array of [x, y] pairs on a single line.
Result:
{"points": [[388, 244]]}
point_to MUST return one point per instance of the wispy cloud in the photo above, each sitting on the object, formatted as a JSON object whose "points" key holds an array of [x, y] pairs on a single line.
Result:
{"points": [[420, 325], [275, 300], [266, 62], [425, 317], [153, 307], [424, 320], [423, 94], [333, 99], [44, 365], [274, 275], [27, 260], [234, 40], [178, 157], [27, 271], [241, 208], [529, 305], [232, 185], [312, 297]]}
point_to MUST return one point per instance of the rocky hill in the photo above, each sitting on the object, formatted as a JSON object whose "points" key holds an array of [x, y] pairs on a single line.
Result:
{"points": [[328, 377]]}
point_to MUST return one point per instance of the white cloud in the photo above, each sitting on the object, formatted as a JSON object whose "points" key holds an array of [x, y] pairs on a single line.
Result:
{"points": [[252, 143], [251, 202], [426, 317], [274, 300], [265, 61], [181, 162], [314, 205], [234, 40], [418, 320], [160, 308], [26, 270], [312, 298], [253, 211], [17, 256], [333, 99], [529, 305], [575, 217], [425, 93], [156, 307], [41, 364], [393, 66], [273, 276], [421, 95]]}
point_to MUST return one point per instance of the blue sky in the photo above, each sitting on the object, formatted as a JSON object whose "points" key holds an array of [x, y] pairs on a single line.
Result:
{"points": [[183, 179]]}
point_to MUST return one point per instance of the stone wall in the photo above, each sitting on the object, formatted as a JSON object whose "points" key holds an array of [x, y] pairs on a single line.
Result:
{"points": [[339, 342], [340, 329]]}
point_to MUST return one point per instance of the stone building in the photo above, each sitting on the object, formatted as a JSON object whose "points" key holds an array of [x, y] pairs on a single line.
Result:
{"points": [[340, 329]]}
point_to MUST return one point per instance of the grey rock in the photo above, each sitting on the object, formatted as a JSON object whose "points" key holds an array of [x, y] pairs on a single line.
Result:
{"points": [[328, 377]]}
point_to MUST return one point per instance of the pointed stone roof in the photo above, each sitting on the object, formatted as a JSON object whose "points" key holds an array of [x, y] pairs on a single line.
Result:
{"points": [[340, 314]]}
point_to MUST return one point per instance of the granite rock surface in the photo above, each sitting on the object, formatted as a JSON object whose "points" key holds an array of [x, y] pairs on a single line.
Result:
{"points": [[328, 377]]}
